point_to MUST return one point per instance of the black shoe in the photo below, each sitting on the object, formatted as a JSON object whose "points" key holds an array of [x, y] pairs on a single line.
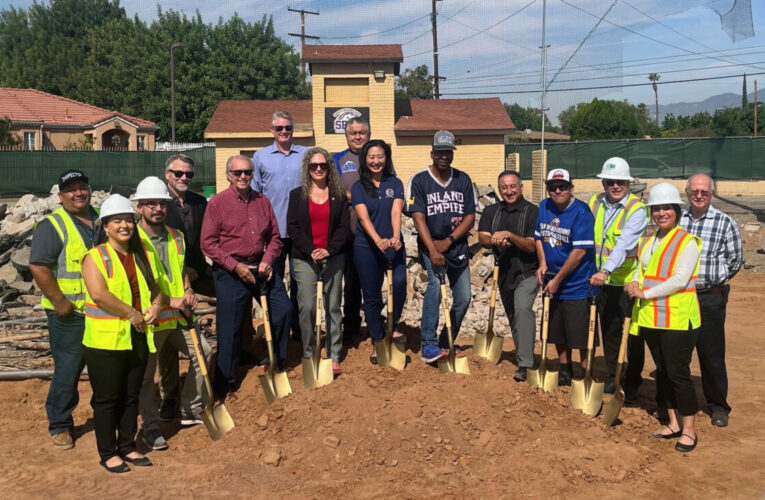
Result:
{"points": [[117, 469], [673, 435], [373, 358], [687, 448], [610, 386], [520, 374], [139, 462], [720, 419], [168, 409], [565, 374]]}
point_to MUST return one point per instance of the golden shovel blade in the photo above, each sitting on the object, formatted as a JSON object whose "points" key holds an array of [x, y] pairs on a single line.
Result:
{"points": [[587, 397], [453, 364], [390, 353], [314, 376], [540, 377], [488, 345], [612, 409], [275, 385], [217, 421]]}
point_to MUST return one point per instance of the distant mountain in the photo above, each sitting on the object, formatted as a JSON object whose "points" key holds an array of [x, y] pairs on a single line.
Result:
{"points": [[709, 105]]}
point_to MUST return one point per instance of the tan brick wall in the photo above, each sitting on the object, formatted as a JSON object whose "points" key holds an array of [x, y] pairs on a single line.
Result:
{"points": [[513, 162], [538, 171]]}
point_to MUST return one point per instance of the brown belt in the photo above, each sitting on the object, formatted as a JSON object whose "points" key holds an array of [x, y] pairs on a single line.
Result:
{"points": [[247, 259]]}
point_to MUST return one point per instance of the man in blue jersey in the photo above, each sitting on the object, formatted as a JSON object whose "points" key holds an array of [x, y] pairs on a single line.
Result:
{"points": [[566, 252], [347, 162], [442, 203]]}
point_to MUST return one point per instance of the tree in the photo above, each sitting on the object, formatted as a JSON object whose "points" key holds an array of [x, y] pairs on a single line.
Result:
{"points": [[654, 77], [744, 97], [528, 118], [415, 83], [6, 136], [564, 117], [603, 120]]}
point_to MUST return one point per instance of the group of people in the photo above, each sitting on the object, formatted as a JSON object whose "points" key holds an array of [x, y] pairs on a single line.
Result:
{"points": [[119, 284]]}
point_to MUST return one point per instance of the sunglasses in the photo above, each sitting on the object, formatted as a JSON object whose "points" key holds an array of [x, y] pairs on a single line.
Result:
{"points": [[181, 173], [613, 182], [703, 194], [317, 166], [239, 173], [279, 128], [558, 187]]}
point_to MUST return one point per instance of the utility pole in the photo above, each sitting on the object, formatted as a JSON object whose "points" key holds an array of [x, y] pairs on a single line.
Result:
{"points": [[302, 34], [436, 78], [755, 108], [544, 72]]}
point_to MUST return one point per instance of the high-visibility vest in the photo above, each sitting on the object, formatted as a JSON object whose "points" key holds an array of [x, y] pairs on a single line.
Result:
{"points": [[603, 247], [68, 269], [104, 330], [676, 310], [171, 283]]}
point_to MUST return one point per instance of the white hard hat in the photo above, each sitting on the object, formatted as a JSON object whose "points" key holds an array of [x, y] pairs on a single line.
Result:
{"points": [[114, 205], [617, 169], [664, 193], [151, 188]]}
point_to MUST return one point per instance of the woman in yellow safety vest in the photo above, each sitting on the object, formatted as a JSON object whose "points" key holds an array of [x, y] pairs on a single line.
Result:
{"points": [[667, 312], [122, 301]]}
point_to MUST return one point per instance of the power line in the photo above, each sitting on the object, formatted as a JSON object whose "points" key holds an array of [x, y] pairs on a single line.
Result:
{"points": [[377, 33], [447, 19]]}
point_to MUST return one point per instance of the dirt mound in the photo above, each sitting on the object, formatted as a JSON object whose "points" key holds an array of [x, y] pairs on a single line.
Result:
{"points": [[381, 433]]}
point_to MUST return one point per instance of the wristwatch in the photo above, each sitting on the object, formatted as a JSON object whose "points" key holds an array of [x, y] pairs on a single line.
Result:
{"points": [[606, 272], [451, 238]]}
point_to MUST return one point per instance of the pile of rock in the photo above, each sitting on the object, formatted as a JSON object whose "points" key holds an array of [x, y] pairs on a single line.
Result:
{"points": [[19, 296]]}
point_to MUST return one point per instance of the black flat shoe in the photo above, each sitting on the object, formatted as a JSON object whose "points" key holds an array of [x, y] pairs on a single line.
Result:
{"points": [[686, 448], [659, 435], [401, 339], [116, 469], [373, 359], [139, 462]]}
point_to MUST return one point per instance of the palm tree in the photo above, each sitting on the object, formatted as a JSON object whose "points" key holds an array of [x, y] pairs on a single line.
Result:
{"points": [[654, 77]]}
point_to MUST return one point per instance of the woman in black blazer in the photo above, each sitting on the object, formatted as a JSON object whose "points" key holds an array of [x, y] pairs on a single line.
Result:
{"points": [[318, 225]]}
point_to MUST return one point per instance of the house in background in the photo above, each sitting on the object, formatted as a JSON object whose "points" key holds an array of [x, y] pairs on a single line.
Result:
{"points": [[42, 121]]}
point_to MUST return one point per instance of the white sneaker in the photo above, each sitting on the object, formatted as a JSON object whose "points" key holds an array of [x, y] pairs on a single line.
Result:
{"points": [[189, 420]]}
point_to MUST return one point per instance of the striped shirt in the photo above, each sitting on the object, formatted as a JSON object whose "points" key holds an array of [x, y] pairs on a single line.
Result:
{"points": [[722, 254]]}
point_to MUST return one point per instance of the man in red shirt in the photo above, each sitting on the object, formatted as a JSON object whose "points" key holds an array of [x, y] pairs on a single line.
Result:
{"points": [[241, 236]]}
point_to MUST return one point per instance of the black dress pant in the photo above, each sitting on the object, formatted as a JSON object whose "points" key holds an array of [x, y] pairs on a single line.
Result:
{"points": [[710, 347], [116, 378], [672, 351], [613, 307]]}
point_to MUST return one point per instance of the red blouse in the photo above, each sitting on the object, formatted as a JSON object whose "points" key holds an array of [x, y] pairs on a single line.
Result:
{"points": [[319, 215]]}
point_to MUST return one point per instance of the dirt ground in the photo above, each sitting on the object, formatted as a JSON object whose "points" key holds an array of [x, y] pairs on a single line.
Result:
{"points": [[380, 433]]}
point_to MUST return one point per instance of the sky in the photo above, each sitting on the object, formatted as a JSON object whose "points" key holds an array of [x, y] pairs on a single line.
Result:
{"points": [[492, 47]]}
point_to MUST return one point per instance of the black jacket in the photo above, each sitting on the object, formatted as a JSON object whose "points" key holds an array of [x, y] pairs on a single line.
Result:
{"points": [[299, 225], [194, 257]]}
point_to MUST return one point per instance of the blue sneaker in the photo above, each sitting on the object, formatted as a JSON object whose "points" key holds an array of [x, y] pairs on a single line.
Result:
{"points": [[431, 353]]}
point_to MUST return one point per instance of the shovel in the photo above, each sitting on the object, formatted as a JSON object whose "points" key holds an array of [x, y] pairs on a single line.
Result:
{"points": [[586, 394], [452, 364], [540, 377], [275, 384], [317, 372], [390, 353], [488, 345], [615, 404], [216, 418]]}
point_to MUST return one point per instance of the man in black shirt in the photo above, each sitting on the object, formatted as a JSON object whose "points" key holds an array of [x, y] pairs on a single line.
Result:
{"points": [[508, 227]]}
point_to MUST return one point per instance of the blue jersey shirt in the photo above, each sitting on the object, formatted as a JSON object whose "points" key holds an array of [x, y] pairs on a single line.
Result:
{"points": [[379, 209], [444, 206], [560, 233]]}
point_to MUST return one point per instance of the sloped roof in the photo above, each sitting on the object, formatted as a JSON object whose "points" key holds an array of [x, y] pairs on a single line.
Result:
{"points": [[29, 105], [353, 53], [455, 115], [255, 116]]}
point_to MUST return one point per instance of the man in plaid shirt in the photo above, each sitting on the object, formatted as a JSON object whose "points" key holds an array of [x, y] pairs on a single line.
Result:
{"points": [[721, 258]]}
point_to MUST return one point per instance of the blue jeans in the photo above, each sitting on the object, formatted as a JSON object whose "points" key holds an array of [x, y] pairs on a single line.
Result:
{"points": [[67, 350], [371, 266], [279, 267], [459, 282]]}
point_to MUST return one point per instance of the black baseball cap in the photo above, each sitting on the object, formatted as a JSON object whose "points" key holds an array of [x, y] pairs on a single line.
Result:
{"points": [[70, 176]]}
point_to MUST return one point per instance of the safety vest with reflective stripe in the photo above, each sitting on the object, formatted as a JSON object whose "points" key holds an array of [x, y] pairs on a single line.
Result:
{"points": [[104, 330], [603, 247], [68, 269], [676, 310], [170, 283]]}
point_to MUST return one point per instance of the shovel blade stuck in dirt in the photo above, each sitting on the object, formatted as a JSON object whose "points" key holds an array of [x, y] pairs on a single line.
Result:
{"points": [[390, 353], [586, 394], [616, 403], [451, 363], [275, 384], [488, 345], [540, 377], [317, 372]]}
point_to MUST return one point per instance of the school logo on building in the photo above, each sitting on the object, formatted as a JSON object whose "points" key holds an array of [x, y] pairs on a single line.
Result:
{"points": [[335, 119]]}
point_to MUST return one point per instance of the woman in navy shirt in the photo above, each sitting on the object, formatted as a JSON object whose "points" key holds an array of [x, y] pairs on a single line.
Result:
{"points": [[378, 199]]}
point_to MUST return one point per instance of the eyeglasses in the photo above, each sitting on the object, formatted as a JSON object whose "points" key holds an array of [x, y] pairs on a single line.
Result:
{"points": [[614, 182], [181, 173], [558, 187], [239, 173], [154, 204], [279, 128], [698, 192], [317, 166]]}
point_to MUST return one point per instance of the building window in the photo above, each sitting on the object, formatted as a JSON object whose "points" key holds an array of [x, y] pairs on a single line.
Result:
{"points": [[141, 143], [30, 141]]}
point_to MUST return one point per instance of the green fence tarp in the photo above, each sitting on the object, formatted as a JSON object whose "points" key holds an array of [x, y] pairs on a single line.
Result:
{"points": [[37, 171], [730, 158]]}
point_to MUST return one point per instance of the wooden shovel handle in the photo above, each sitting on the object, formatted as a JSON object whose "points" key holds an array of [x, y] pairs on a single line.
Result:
{"points": [[625, 336], [266, 321], [591, 332], [545, 317]]}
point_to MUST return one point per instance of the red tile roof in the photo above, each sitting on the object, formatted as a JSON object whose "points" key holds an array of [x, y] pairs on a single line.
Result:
{"points": [[353, 53], [419, 115], [255, 116], [29, 105]]}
